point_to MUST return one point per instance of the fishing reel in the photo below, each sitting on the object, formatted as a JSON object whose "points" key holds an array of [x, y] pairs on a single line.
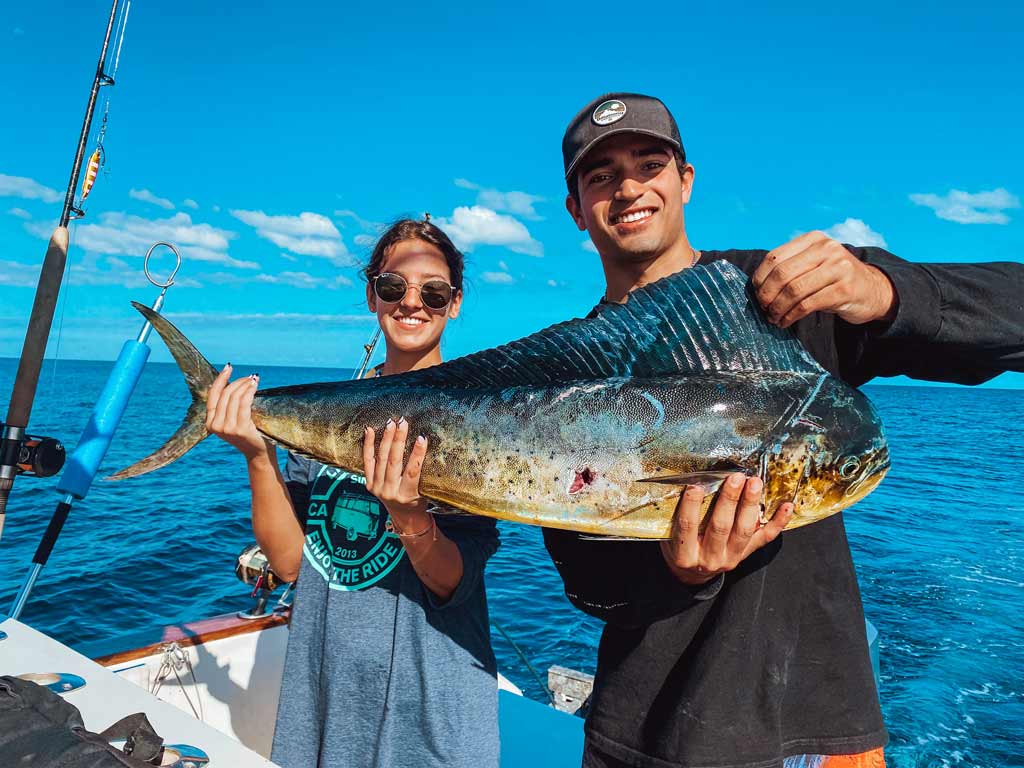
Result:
{"points": [[30, 454], [252, 567]]}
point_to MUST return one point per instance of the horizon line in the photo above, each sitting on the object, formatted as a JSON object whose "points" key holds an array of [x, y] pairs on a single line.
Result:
{"points": [[877, 382]]}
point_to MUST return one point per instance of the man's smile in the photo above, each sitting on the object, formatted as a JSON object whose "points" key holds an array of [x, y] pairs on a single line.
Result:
{"points": [[634, 216]]}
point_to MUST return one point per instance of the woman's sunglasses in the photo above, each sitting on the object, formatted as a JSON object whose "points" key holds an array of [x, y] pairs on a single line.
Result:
{"points": [[391, 289]]}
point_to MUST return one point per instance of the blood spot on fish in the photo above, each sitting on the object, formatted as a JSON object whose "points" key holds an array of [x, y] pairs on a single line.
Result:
{"points": [[584, 477]]}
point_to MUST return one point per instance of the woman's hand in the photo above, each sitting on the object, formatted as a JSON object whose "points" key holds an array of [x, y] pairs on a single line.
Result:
{"points": [[734, 530], [229, 413], [392, 480]]}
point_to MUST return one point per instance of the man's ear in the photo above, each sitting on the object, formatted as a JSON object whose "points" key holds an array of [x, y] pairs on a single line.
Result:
{"points": [[576, 212], [686, 178]]}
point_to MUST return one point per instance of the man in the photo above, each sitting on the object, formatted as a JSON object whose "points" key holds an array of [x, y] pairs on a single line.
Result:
{"points": [[739, 647]]}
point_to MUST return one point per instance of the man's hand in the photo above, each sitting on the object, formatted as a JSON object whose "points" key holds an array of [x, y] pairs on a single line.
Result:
{"points": [[814, 273], [732, 533]]}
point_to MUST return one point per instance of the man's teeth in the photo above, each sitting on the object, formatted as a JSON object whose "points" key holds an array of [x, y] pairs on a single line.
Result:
{"points": [[626, 218], [410, 322]]}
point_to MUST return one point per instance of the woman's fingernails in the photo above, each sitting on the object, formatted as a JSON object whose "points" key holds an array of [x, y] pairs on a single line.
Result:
{"points": [[736, 481], [421, 440], [401, 421], [754, 485], [390, 424]]}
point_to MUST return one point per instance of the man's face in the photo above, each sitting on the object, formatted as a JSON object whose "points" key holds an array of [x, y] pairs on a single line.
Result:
{"points": [[631, 197]]}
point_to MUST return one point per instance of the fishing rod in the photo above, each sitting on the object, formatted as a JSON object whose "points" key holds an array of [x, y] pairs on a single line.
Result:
{"points": [[21, 453], [368, 348]]}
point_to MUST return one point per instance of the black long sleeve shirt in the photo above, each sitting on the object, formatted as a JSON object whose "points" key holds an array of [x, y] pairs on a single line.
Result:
{"points": [[771, 660]]}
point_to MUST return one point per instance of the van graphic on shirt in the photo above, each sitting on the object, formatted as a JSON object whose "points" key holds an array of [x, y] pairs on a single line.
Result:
{"points": [[357, 516], [346, 541]]}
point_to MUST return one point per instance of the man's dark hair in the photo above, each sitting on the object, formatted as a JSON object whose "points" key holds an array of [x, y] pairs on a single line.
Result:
{"points": [[574, 190], [411, 229]]}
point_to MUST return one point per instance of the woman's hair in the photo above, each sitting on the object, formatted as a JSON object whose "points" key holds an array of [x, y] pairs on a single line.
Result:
{"points": [[411, 229]]}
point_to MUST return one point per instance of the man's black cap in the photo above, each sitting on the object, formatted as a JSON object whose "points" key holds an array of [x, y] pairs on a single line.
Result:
{"points": [[616, 113]]}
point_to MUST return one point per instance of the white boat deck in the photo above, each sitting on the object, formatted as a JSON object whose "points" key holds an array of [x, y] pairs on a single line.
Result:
{"points": [[107, 697]]}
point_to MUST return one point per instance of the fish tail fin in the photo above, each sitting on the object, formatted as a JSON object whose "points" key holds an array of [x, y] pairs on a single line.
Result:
{"points": [[199, 375]]}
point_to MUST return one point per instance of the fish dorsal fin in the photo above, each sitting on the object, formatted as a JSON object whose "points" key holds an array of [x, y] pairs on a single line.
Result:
{"points": [[701, 319]]}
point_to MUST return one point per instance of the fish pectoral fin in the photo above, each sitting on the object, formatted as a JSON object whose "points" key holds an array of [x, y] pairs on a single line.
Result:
{"points": [[710, 480]]}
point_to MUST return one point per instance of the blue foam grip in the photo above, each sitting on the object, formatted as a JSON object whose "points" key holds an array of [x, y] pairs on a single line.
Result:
{"points": [[81, 468]]}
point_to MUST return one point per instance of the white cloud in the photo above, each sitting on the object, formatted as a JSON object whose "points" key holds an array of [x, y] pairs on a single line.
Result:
{"points": [[188, 202], [121, 233], [308, 234], [303, 280], [366, 319], [148, 197], [516, 203], [970, 208], [364, 224], [18, 275], [22, 186], [364, 240], [469, 227], [216, 209], [552, 284], [126, 277], [21, 213], [18, 31], [588, 245], [503, 266], [855, 232], [497, 278]]}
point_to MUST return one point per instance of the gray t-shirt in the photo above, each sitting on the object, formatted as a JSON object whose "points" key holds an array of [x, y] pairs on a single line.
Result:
{"points": [[379, 672]]}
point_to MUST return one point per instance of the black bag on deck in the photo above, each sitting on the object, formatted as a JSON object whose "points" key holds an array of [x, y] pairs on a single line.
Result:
{"points": [[40, 729]]}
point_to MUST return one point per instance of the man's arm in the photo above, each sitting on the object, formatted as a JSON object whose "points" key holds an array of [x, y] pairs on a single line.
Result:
{"points": [[625, 583], [943, 322], [961, 323], [634, 583]]}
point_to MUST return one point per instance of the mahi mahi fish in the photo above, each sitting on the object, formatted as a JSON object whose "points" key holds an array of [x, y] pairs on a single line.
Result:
{"points": [[594, 425]]}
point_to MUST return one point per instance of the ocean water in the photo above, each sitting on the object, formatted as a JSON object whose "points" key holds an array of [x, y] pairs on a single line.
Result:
{"points": [[939, 550]]}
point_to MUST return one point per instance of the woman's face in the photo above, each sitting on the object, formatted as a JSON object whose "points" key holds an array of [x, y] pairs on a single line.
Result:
{"points": [[409, 325]]}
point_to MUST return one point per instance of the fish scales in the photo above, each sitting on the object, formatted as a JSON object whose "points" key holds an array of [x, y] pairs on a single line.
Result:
{"points": [[596, 425], [582, 456]]}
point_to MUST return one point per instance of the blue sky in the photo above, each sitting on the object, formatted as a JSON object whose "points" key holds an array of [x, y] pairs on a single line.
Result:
{"points": [[271, 142]]}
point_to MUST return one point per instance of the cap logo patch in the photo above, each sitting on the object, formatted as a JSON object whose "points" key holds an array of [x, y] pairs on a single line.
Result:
{"points": [[609, 112]]}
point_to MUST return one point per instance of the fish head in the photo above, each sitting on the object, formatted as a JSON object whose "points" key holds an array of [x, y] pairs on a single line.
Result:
{"points": [[856, 473], [835, 456]]}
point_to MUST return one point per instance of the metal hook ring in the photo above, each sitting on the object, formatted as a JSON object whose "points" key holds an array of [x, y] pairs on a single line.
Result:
{"points": [[177, 265]]}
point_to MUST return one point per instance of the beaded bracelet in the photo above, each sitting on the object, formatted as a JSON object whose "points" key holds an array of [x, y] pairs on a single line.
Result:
{"points": [[390, 527]]}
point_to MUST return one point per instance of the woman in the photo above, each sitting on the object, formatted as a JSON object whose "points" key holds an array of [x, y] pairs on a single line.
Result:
{"points": [[389, 658]]}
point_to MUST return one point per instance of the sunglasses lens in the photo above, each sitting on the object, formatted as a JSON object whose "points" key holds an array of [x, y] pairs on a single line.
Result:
{"points": [[436, 294], [389, 287]]}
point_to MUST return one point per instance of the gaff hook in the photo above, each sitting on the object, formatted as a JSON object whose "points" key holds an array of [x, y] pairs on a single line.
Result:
{"points": [[144, 333]]}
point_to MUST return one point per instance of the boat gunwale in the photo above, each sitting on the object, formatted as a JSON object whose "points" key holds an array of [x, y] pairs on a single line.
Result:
{"points": [[194, 633]]}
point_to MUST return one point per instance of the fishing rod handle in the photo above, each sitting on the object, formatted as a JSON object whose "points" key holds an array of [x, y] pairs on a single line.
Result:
{"points": [[85, 462], [27, 377]]}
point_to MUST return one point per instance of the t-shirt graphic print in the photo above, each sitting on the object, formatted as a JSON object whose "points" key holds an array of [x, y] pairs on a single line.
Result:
{"points": [[346, 538]]}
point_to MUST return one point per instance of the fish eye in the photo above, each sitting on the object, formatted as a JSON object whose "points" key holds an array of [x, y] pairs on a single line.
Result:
{"points": [[849, 467]]}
